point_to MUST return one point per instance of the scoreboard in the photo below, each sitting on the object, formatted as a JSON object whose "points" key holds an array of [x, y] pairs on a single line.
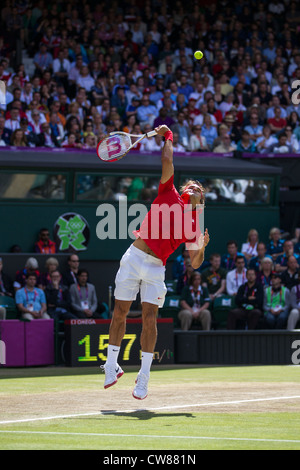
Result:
{"points": [[86, 342]]}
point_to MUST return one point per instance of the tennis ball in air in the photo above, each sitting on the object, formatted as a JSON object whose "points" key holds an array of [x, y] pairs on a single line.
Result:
{"points": [[198, 55]]}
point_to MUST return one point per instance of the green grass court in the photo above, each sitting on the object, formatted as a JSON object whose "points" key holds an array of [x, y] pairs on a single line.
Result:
{"points": [[188, 408]]}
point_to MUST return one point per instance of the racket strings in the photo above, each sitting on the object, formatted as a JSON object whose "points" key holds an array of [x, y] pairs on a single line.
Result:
{"points": [[113, 147]]}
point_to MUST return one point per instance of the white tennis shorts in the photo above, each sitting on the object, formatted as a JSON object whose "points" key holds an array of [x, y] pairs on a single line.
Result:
{"points": [[140, 272]]}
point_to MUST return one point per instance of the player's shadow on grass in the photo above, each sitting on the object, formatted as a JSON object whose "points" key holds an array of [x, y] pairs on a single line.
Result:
{"points": [[146, 414]]}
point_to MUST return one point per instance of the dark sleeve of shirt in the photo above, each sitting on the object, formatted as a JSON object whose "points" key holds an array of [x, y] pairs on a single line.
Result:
{"points": [[240, 296]]}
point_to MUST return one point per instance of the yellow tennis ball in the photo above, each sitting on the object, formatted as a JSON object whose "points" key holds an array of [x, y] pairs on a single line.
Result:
{"points": [[198, 55]]}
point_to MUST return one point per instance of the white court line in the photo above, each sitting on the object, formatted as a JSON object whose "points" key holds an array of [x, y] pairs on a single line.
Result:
{"points": [[96, 434], [172, 407]]}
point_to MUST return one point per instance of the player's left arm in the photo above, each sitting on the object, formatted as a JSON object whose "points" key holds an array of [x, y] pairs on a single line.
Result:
{"points": [[166, 155], [197, 251]]}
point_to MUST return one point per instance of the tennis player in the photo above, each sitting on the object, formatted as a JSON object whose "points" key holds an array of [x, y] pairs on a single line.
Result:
{"points": [[142, 267]]}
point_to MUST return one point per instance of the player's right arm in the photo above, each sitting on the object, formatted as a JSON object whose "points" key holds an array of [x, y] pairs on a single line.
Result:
{"points": [[166, 155]]}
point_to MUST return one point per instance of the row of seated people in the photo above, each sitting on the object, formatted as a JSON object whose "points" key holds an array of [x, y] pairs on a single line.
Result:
{"points": [[252, 283], [51, 294]]}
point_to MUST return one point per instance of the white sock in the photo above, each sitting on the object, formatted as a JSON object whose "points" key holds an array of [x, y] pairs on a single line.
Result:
{"points": [[146, 363], [112, 354]]}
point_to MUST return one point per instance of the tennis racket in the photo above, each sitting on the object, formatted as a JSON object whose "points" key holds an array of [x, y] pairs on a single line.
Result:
{"points": [[117, 144]]}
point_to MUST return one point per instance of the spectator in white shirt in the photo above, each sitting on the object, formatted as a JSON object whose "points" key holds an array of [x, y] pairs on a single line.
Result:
{"points": [[249, 249], [236, 277], [14, 122], [177, 147], [85, 80], [154, 144], [35, 121], [266, 140], [61, 67]]}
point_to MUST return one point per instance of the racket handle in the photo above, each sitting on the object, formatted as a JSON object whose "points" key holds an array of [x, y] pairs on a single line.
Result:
{"points": [[151, 134]]}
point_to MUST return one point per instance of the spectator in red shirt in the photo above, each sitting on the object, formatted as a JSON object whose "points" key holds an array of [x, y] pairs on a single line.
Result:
{"points": [[44, 244], [277, 123]]}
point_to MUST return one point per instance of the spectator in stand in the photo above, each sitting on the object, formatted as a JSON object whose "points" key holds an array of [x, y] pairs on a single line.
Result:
{"points": [[179, 264], [282, 260], [275, 245], [83, 297], [246, 144], [184, 278], [163, 119], [194, 303], [290, 277], [31, 266], [146, 113], [5, 134], [154, 144], [282, 146], [255, 262], [52, 264], [291, 139], [225, 145], [56, 127], [236, 277], [13, 123], [214, 277], [18, 138], [264, 274], [42, 60], [35, 122], [182, 128], [177, 147], [249, 303], [197, 140], [250, 58], [276, 303], [208, 131], [264, 142], [31, 301], [184, 87], [294, 315], [277, 123], [44, 244], [222, 130], [61, 68], [47, 137], [249, 249], [228, 260], [254, 128], [6, 284], [58, 298], [70, 276]]}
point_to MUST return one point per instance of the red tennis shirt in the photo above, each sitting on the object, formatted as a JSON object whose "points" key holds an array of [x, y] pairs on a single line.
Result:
{"points": [[169, 223]]}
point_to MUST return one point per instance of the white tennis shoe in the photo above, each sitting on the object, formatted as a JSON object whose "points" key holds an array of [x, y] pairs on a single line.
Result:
{"points": [[140, 391], [112, 374]]}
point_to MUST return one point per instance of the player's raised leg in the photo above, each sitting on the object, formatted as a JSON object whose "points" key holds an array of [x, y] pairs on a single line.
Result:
{"points": [[148, 341], [116, 333]]}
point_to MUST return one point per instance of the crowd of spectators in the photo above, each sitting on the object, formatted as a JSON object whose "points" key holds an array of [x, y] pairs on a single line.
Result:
{"points": [[261, 284], [57, 292], [260, 279], [106, 66]]}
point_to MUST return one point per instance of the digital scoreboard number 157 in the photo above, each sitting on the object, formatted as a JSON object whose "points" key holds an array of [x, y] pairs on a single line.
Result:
{"points": [[85, 342]]}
